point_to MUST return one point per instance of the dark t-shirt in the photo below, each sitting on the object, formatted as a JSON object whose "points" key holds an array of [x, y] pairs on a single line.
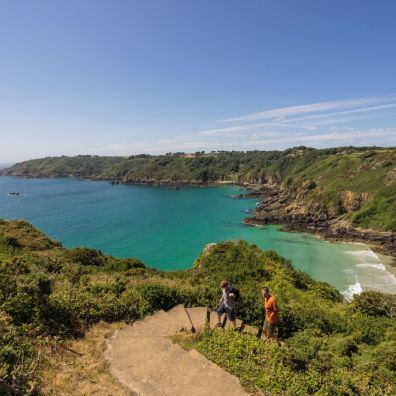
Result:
{"points": [[228, 301]]}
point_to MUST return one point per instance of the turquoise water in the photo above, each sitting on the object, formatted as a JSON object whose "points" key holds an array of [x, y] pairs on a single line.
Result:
{"points": [[168, 229]]}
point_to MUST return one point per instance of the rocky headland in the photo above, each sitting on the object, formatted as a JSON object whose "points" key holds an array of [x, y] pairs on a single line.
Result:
{"points": [[296, 212]]}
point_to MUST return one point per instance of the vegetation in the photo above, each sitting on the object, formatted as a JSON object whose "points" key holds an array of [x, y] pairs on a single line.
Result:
{"points": [[49, 294], [356, 183]]}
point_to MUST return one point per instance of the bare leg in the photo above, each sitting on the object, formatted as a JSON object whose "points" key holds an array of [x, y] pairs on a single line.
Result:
{"points": [[265, 333]]}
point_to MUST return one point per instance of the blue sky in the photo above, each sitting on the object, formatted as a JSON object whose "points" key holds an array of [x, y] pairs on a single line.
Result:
{"points": [[125, 76]]}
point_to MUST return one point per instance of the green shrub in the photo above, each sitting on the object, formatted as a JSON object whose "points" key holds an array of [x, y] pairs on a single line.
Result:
{"points": [[28, 303], [376, 304], [85, 256], [123, 265], [159, 296]]}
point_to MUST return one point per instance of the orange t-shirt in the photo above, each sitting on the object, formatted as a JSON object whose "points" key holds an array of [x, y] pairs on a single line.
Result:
{"points": [[271, 310]]}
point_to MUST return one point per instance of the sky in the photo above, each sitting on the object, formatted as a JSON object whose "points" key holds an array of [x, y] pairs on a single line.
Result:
{"points": [[122, 77]]}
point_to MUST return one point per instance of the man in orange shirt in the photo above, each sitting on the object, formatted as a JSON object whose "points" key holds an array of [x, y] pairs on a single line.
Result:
{"points": [[271, 322]]}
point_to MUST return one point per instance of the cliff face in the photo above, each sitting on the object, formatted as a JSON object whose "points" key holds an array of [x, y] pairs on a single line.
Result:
{"points": [[297, 210]]}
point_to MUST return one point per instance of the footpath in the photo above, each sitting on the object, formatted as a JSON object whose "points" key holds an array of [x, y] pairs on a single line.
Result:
{"points": [[143, 358]]}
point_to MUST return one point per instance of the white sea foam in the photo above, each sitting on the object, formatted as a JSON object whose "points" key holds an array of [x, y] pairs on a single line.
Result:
{"points": [[356, 288], [379, 266], [371, 273], [363, 253]]}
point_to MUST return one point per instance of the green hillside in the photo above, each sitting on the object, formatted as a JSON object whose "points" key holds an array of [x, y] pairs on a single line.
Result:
{"points": [[332, 347], [358, 184]]}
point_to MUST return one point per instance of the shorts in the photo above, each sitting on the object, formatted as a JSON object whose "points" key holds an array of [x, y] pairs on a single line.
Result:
{"points": [[230, 312], [271, 328]]}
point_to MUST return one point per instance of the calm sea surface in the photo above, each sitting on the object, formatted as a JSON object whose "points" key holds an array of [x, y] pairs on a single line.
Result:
{"points": [[168, 229]]}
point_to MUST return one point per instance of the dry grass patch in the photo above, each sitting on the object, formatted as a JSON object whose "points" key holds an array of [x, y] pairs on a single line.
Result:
{"points": [[78, 367]]}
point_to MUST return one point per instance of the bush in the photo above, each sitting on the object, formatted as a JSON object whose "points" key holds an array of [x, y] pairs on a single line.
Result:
{"points": [[85, 256], [159, 296], [124, 265], [18, 358], [376, 304], [28, 303]]}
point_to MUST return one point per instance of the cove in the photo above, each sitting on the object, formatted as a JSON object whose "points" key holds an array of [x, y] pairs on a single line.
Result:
{"points": [[168, 229]]}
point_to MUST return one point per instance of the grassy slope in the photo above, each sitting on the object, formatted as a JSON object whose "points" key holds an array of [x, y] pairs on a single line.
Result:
{"points": [[371, 172], [49, 294], [80, 166]]}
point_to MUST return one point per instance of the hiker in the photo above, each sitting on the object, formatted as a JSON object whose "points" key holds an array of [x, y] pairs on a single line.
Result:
{"points": [[271, 322], [227, 303]]}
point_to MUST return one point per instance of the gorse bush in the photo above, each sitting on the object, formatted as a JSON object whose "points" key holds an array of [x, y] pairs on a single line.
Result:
{"points": [[331, 347], [376, 304], [85, 256]]}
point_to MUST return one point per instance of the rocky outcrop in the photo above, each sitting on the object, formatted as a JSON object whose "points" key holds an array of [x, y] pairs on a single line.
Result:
{"points": [[297, 212], [351, 201]]}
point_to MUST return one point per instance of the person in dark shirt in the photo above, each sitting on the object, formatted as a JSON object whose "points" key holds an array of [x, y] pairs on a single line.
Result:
{"points": [[227, 304]]}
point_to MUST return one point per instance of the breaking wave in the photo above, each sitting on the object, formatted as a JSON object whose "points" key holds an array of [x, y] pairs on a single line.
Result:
{"points": [[371, 273], [363, 253], [356, 288]]}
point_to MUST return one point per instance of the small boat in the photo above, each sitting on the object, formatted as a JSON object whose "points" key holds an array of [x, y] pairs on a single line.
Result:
{"points": [[13, 193]]}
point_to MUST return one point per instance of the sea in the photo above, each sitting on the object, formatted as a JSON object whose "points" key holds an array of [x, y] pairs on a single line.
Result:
{"points": [[168, 228]]}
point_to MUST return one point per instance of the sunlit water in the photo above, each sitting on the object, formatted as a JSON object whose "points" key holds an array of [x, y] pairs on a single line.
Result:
{"points": [[168, 229]]}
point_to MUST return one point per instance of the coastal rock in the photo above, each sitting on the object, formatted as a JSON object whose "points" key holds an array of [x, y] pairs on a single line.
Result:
{"points": [[295, 211], [351, 201]]}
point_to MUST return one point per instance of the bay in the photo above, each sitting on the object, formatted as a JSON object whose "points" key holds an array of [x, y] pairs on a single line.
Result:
{"points": [[168, 228]]}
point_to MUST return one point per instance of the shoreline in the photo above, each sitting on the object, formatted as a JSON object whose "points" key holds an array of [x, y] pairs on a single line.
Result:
{"points": [[346, 233], [257, 192], [294, 212], [389, 263], [376, 248]]}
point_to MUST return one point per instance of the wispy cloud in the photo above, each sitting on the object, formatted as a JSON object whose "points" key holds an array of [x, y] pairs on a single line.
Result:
{"points": [[339, 137], [239, 128], [324, 124], [312, 108], [331, 116]]}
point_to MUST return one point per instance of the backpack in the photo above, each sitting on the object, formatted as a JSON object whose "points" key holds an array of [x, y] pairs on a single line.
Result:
{"points": [[236, 292]]}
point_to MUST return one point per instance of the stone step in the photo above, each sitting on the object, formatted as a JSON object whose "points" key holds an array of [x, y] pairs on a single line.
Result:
{"points": [[165, 321], [228, 324], [162, 320], [149, 366], [213, 319], [179, 316], [224, 321], [198, 317], [155, 366], [142, 329], [143, 358], [251, 330]]}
